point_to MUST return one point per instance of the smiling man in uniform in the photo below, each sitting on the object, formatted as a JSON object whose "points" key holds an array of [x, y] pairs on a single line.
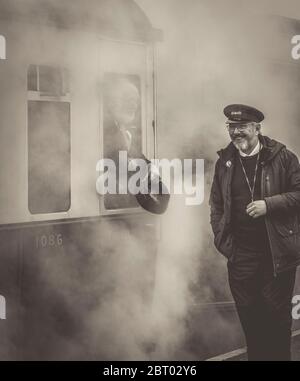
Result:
{"points": [[255, 202]]}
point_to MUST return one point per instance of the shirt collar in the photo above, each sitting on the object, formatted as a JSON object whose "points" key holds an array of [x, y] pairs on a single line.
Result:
{"points": [[255, 151]]}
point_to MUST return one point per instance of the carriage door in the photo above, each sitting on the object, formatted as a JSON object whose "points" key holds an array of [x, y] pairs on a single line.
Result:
{"points": [[126, 81]]}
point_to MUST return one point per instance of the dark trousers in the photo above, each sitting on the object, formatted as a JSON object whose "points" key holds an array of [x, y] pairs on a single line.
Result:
{"points": [[263, 303]]}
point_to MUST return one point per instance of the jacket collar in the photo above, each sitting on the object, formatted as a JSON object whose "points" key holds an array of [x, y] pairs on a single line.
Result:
{"points": [[270, 146], [255, 150]]}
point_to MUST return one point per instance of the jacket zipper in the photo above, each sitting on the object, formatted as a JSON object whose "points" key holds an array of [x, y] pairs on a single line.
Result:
{"points": [[266, 220], [228, 195]]}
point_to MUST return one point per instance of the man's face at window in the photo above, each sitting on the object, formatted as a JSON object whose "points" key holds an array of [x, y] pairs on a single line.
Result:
{"points": [[243, 134], [124, 103]]}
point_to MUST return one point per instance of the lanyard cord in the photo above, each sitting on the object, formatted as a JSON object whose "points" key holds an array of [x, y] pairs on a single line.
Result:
{"points": [[255, 175]]}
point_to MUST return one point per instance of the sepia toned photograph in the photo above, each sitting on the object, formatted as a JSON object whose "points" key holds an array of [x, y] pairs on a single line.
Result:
{"points": [[149, 183]]}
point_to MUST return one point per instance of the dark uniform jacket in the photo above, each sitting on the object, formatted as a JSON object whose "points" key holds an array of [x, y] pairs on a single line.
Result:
{"points": [[280, 188]]}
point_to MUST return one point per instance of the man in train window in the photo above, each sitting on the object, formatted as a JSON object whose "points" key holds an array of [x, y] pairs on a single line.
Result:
{"points": [[123, 132], [122, 116], [255, 203], [121, 105]]}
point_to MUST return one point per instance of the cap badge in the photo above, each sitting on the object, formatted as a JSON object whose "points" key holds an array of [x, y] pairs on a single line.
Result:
{"points": [[228, 163]]}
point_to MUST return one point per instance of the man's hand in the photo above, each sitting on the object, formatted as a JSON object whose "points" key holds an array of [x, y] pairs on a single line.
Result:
{"points": [[257, 209]]}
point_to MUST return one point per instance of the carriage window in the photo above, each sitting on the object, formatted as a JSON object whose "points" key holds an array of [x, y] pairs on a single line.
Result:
{"points": [[32, 78], [122, 126], [48, 156], [48, 80]]}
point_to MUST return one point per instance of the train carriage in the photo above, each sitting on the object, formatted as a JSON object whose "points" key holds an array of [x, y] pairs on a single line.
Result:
{"points": [[59, 238]]}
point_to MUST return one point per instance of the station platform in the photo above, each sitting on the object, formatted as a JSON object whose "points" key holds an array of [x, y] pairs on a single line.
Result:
{"points": [[241, 353]]}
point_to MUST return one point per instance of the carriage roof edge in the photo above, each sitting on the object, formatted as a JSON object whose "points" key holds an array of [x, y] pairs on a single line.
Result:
{"points": [[119, 19]]}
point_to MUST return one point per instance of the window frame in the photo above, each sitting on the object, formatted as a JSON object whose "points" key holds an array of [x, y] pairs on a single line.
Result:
{"points": [[43, 96]]}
